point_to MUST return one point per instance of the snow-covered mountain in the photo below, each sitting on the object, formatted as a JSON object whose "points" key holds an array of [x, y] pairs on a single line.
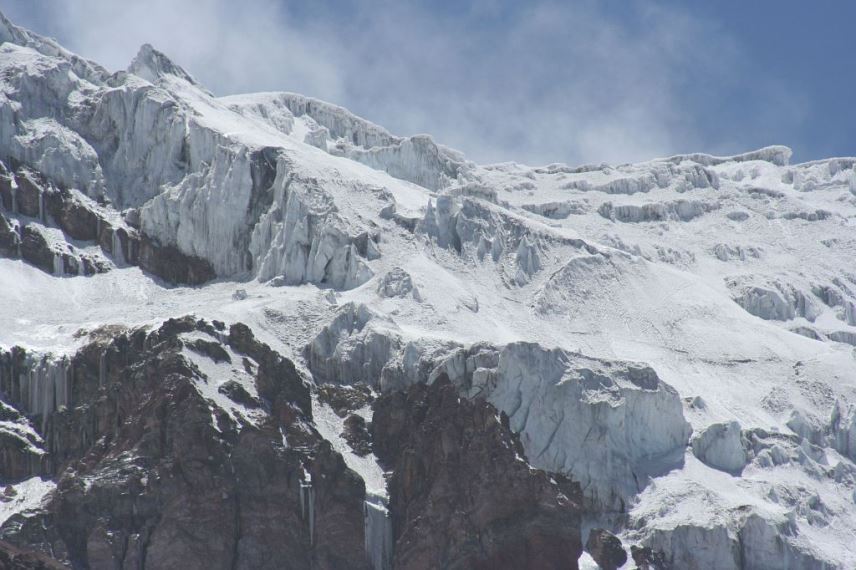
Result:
{"points": [[401, 359]]}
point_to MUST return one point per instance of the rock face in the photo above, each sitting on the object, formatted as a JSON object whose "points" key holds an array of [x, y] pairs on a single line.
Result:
{"points": [[674, 336], [207, 201], [606, 549], [609, 425], [154, 470], [65, 218], [14, 558], [461, 494]]}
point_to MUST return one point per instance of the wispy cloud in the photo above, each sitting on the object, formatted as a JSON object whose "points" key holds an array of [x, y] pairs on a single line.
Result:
{"points": [[534, 82]]}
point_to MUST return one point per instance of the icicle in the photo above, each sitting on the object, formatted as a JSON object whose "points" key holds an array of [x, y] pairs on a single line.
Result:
{"points": [[118, 256], [378, 532], [14, 196], [311, 514], [80, 267], [307, 503], [57, 264], [102, 369], [42, 205], [61, 398]]}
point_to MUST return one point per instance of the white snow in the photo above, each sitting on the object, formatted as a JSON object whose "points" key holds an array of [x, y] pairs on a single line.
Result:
{"points": [[22, 496], [713, 271]]}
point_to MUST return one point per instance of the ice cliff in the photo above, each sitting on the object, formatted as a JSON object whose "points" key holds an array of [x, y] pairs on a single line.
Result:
{"points": [[662, 353]]}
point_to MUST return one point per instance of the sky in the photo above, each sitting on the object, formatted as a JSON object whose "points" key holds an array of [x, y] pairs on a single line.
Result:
{"points": [[574, 81]]}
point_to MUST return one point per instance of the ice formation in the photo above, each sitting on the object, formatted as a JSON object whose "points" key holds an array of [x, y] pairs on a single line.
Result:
{"points": [[379, 540], [675, 335]]}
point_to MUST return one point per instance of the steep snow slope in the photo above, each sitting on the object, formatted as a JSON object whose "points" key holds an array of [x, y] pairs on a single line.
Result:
{"points": [[676, 335]]}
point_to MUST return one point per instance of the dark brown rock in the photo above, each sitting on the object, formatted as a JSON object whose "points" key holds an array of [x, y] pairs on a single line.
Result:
{"points": [[20, 457], [357, 435], [277, 379], [74, 218], [150, 475], [646, 558], [169, 263], [461, 495], [10, 241], [6, 178], [606, 549], [15, 558], [237, 393], [345, 399], [35, 249], [36, 198], [29, 193], [212, 350]]}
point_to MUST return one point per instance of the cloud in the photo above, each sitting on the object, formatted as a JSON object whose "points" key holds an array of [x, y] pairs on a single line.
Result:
{"points": [[229, 46], [534, 82]]}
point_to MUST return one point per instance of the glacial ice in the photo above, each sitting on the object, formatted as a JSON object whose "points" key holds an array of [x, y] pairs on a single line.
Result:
{"points": [[680, 210], [510, 261], [721, 446], [416, 159], [379, 539], [773, 301], [610, 425]]}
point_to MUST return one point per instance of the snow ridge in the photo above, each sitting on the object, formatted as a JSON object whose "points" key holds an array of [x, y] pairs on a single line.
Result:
{"points": [[675, 335]]}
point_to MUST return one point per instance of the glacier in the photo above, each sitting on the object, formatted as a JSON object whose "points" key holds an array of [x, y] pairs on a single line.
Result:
{"points": [[676, 335]]}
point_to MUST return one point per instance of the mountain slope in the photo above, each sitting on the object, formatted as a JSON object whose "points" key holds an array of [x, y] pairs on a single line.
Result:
{"points": [[675, 337]]}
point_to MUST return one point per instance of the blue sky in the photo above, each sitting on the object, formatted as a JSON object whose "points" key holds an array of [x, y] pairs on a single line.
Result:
{"points": [[537, 82]]}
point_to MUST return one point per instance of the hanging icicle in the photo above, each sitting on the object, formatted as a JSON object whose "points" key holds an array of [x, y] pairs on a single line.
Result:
{"points": [[42, 216], [118, 255], [307, 503], [46, 387], [57, 264], [102, 369], [378, 532]]}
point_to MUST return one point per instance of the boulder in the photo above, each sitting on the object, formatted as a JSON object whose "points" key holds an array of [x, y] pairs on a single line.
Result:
{"points": [[606, 549]]}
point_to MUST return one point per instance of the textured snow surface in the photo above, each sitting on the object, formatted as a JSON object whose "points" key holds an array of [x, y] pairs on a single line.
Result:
{"points": [[23, 496], [677, 335]]}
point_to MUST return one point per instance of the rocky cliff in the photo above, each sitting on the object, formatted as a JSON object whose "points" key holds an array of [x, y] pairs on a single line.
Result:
{"points": [[398, 358]]}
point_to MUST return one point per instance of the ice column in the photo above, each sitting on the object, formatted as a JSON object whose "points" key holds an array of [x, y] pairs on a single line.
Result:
{"points": [[47, 388], [42, 205], [378, 532], [307, 503], [851, 183], [57, 264], [118, 256], [102, 369]]}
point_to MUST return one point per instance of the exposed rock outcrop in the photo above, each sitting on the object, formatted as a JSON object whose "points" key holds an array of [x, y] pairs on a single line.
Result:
{"points": [[154, 469], [462, 494], [15, 558], [606, 549]]}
